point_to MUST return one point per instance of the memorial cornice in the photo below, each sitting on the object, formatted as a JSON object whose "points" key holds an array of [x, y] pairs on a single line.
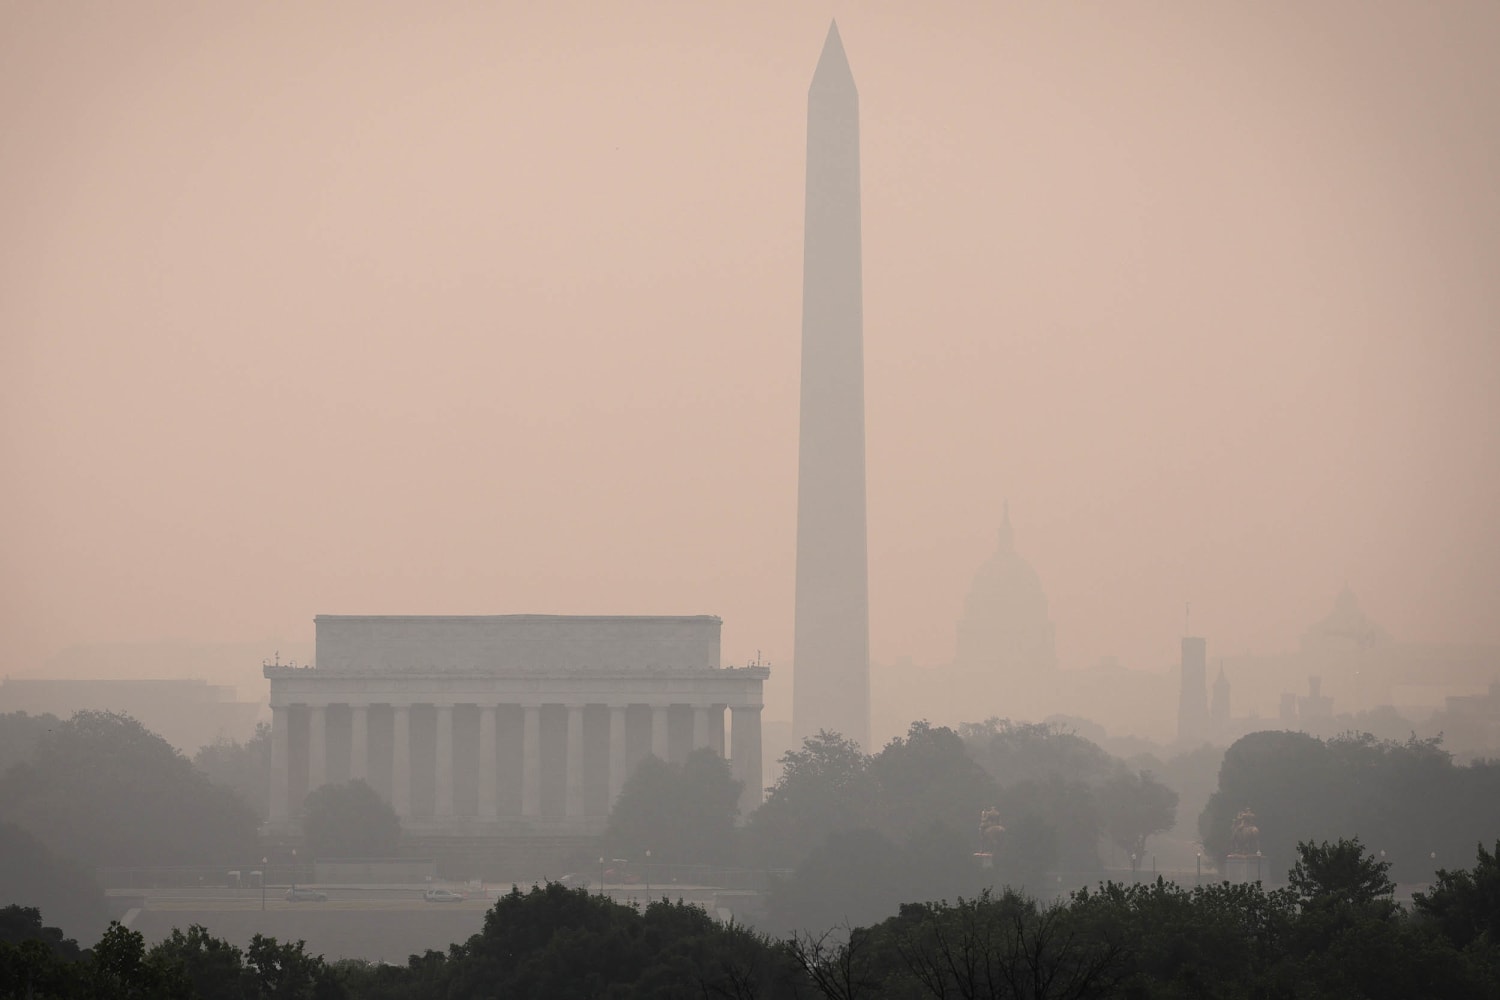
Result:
{"points": [[530, 619], [419, 673]]}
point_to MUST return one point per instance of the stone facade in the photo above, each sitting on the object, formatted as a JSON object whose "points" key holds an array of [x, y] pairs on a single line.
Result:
{"points": [[506, 725]]}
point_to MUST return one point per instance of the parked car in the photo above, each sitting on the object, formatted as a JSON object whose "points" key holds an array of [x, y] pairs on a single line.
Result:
{"points": [[443, 896], [296, 895]]}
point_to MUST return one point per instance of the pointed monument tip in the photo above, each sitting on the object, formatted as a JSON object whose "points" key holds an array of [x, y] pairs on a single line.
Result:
{"points": [[833, 65]]}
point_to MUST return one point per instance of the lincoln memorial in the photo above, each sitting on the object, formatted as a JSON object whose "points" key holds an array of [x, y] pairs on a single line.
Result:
{"points": [[506, 725]]}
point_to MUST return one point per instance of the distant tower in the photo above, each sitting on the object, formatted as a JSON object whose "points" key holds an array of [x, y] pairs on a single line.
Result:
{"points": [[1192, 706], [1219, 707], [831, 651]]}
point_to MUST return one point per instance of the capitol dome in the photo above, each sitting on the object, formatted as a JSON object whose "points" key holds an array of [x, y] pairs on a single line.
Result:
{"points": [[1005, 630]]}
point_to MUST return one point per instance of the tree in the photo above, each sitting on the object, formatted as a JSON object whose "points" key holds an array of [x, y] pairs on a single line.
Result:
{"points": [[683, 813], [1340, 872], [825, 787], [1408, 799], [19, 735], [103, 790], [928, 777], [1466, 903], [349, 820], [1001, 947], [1134, 805], [557, 942], [118, 968], [31, 876], [1048, 777], [859, 876], [288, 972], [1064, 813], [213, 968], [244, 767]]}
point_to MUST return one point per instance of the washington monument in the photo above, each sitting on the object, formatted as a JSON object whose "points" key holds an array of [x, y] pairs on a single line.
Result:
{"points": [[831, 647]]}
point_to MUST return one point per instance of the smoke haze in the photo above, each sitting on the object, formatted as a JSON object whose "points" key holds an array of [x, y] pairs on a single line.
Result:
{"points": [[371, 309]]}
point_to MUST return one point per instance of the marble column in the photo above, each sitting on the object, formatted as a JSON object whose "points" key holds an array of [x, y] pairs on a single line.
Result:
{"points": [[444, 774], [488, 804], [280, 808], [317, 747], [359, 743], [659, 733], [574, 801], [617, 761], [745, 757], [700, 727], [531, 760], [401, 763], [716, 729]]}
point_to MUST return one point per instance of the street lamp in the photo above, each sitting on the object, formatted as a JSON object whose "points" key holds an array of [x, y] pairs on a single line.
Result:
{"points": [[601, 876], [263, 863], [648, 876], [1200, 868]]}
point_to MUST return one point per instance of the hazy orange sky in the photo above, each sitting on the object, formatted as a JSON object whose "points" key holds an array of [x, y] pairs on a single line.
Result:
{"points": [[489, 308]]}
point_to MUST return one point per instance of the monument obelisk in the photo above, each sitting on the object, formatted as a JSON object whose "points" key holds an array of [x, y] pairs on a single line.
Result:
{"points": [[831, 651]]}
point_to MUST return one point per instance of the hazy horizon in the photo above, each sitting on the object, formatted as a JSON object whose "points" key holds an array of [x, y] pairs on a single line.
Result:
{"points": [[356, 309]]}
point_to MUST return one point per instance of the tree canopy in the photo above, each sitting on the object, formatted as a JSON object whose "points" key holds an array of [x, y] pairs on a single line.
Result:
{"points": [[1334, 933], [349, 820], [103, 790], [1408, 799], [682, 813], [30, 875], [244, 767]]}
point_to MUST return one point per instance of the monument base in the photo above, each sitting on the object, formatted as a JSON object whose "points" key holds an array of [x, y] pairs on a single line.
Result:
{"points": [[1244, 868]]}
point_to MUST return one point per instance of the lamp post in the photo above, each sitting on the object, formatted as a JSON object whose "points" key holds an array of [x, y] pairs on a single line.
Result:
{"points": [[648, 876], [263, 863], [601, 876], [1200, 868]]}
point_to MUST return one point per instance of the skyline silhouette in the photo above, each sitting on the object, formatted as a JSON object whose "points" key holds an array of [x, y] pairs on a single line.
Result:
{"points": [[498, 311]]}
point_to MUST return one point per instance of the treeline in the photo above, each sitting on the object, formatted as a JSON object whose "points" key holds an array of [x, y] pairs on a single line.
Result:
{"points": [[99, 790], [1333, 932], [1408, 800], [910, 813]]}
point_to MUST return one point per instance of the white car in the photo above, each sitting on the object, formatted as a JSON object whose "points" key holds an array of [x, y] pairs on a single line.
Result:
{"points": [[443, 896]]}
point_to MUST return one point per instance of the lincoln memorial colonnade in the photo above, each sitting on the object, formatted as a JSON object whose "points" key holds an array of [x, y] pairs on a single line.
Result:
{"points": [[506, 725]]}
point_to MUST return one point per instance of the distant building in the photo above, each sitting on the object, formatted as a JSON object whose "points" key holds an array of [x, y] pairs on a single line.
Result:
{"points": [[1006, 641], [1315, 704], [1192, 702], [1346, 629], [1219, 706], [506, 725], [186, 713], [1473, 721]]}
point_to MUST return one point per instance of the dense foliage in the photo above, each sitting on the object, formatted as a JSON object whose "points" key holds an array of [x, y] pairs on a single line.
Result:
{"points": [[349, 820], [1059, 793], [557, 942], [37, 962], [31, 876], [101, 789], [683, 813], [1408, 799], [19, 735], [244, 767], [1334, 932]]}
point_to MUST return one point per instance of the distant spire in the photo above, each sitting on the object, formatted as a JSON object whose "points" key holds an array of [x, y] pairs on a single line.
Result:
{"points": [[1007, 536], [833, 70]]}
